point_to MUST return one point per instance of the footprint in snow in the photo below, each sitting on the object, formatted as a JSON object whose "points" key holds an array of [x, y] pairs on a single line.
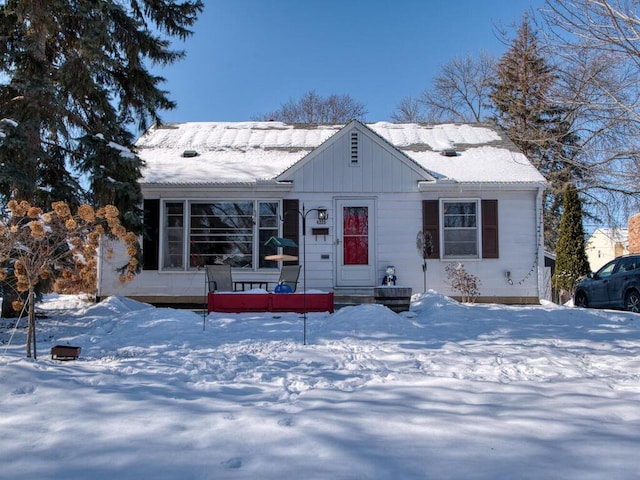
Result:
{"points": [[286, 422], [24, 390], [233, 463]]}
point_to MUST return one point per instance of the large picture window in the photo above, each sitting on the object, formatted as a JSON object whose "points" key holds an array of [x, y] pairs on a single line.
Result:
{"points": [[224, 232], [460, 229]]}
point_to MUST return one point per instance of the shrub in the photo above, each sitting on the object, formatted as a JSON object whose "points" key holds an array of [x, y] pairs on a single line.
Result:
{"points": [[58, 248], [463, 282]]}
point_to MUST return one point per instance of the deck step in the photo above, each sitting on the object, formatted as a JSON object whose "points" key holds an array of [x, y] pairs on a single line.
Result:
{"points": [[349, 300]]}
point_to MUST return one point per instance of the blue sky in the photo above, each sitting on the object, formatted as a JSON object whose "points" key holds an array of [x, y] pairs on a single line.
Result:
{"points": [[247, 57]]}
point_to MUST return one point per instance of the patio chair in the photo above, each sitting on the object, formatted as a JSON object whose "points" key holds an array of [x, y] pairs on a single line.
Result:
{"points": [[289, 275], [219, 278]]}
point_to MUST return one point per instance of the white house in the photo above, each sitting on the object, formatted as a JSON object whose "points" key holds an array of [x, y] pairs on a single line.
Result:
{"points": [[605, 244], [216, 192]]}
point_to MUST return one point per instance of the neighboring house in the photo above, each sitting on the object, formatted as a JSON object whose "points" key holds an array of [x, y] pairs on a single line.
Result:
{"points": [[605, 244], [216, 192]]}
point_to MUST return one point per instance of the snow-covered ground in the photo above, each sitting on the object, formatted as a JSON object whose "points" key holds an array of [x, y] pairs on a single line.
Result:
{"points": [[446, 391]]}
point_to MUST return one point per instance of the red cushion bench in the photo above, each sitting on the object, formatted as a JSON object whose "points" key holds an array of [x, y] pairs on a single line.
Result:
{"points": [[238, 302]]}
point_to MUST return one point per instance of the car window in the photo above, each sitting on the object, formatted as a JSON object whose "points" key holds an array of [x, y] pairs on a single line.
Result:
{"points": [[626, 264], [605, 271]]}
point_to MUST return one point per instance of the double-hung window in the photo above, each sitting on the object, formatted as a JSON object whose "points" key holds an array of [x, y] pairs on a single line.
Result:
{"points": [[460, 231], [197, 233]]}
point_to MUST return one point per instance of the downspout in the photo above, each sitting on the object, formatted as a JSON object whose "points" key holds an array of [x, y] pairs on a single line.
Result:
{"points": [[540, 242]]}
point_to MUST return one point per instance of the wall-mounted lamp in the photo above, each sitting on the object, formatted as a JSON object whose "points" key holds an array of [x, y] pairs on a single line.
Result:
{"points": [[322, 215], [508, 275]]}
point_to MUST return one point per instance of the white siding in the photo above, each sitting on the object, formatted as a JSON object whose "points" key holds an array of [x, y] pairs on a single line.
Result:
{"points": [[380, 169], [399, 219]]}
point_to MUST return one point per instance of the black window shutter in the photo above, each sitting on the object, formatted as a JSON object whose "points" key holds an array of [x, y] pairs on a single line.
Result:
{"points": [[291, 228], [151, 239], [490, 247], [431, 224]]}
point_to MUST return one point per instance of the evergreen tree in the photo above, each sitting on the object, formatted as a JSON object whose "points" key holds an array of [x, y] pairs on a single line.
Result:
{"points": [[522, 97], [571, 256], [75, 83]]}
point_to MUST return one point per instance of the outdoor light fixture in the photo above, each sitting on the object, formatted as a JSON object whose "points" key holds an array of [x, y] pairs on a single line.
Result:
{"points": [[322, 215], [508, 275]]}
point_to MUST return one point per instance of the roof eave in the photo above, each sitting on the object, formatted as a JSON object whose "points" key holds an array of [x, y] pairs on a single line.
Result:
{"points": [[425, 186], [248, 186]]}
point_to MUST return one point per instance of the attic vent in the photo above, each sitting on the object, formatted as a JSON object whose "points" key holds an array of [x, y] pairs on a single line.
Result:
{"points": [[354, 148], [449, 152], [189, 153]]}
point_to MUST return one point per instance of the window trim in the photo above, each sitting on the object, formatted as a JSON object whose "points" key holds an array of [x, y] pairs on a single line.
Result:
{"points": [[478, 229]]}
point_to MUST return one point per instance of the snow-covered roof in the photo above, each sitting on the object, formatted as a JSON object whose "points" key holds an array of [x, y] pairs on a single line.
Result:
{"points": [[242, 152]]}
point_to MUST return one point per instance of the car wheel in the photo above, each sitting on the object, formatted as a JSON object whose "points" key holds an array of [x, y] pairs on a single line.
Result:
{"points": [[581, 300], [632, 301]]}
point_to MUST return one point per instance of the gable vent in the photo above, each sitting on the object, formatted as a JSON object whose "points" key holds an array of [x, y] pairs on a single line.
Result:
{"points": [[354, 148], [189, 153]]}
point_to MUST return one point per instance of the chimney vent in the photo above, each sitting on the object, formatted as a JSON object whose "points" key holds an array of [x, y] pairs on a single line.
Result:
{"points": [[449, 152]]}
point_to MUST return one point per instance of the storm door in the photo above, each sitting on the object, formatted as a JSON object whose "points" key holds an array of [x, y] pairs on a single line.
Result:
{"points": [[355, 243]]}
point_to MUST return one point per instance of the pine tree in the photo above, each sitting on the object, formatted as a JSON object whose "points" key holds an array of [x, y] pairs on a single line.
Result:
{"points": [[522, 97], [571, 256], [75, 83]]}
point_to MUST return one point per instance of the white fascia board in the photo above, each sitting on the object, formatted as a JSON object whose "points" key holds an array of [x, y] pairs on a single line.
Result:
{"points": [[473, 186], [150, 190]]}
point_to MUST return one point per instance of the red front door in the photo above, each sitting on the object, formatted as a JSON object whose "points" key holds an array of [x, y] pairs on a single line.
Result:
{"points": [[356, 227]]}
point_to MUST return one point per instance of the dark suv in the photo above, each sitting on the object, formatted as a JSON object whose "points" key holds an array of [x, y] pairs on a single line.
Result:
{"points": [[615, 285]]}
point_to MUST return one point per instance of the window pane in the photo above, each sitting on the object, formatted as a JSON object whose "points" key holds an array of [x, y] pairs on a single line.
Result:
{"points": [[460, 232], [460, 214], [356, 220], [221, 233], [173, 247], [356, 235], [459, 242], [356, 251], [269, 215], [268, 222]]}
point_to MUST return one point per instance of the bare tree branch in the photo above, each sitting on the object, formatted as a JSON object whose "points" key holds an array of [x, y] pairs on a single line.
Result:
{"points": [[596, 44], [460, 93], [313, 108], [408, 110]]}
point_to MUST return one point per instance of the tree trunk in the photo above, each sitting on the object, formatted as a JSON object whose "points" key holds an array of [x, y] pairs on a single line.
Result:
{"points": [[31, 325], [29, 335]]}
